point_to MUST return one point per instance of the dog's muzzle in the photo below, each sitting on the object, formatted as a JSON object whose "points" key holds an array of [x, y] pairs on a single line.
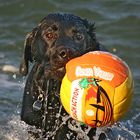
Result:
{"points": [[58, 58]]}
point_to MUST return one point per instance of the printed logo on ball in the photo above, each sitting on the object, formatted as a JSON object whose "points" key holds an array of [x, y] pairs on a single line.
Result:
{"points": [[94, 71], [76, 100]]}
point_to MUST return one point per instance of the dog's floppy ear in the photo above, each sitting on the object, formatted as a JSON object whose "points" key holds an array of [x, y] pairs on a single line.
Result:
{"points": [[28, 48], [27, 54]]}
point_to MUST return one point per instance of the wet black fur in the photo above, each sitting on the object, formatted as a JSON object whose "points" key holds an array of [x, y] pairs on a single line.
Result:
{"points": [[73, 36]]}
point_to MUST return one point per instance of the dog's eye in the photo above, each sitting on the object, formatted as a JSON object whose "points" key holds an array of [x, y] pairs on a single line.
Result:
{"points": [[79, 37], [49, 36]]}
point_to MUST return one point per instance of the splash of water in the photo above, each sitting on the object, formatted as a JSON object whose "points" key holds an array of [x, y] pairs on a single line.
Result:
{"points": [[18, 130], [14, 130]]}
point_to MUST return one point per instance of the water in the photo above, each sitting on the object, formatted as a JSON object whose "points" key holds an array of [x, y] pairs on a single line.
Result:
{"points": [[117, 26]]}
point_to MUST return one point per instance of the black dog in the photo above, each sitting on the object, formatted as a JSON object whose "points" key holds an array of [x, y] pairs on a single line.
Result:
{"points": [[57, 39]]}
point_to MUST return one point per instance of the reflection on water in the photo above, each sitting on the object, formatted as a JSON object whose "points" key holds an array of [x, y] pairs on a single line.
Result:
{"points": [[117, 26]]}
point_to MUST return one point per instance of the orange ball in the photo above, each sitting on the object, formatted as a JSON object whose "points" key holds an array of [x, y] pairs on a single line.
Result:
{"points": [[97, 88]]}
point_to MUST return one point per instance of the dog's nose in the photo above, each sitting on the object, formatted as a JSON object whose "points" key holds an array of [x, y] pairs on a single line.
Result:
{"points": [[65, 53]]}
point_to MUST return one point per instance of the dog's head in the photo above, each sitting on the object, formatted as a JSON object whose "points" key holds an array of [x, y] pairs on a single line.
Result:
{"points": [[57, 39]]}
